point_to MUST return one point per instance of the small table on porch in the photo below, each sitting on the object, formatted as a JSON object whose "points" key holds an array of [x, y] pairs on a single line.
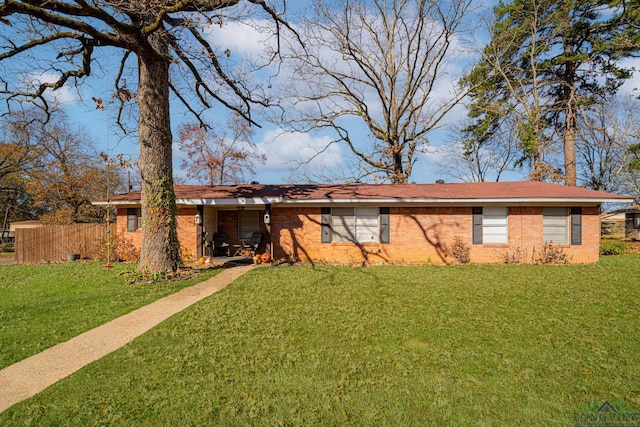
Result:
{"points": [[244, 244]]}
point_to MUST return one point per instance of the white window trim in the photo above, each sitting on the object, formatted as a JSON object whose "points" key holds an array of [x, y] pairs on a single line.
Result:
{"points": [[355, 226], [495, 225], [556, 222]]}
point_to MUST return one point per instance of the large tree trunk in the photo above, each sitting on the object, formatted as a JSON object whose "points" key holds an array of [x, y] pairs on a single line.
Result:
{"points": [[569, 137], [160, 246], [570, 172]]}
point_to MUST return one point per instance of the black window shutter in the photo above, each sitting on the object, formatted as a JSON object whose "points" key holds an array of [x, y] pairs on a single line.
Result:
{"points": [[326, 225], [477, 225], [384, 225], [576, 225]]}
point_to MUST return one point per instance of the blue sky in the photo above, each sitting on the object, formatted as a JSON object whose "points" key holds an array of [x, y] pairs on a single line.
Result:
{"points": [[283, 150]]}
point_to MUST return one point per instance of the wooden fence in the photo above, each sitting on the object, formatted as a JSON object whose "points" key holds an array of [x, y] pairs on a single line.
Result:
{"points": [[53, 243]]}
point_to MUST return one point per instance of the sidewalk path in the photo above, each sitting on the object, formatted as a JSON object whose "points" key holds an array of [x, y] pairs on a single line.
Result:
{"points": [[30, 376]]}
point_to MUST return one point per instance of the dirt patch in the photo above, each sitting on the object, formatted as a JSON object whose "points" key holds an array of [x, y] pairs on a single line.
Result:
{"points": [[7, 261]]}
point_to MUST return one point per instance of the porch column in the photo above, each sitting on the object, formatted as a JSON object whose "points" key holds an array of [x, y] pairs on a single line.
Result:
{"points": [[267, 227], [199, 230]]}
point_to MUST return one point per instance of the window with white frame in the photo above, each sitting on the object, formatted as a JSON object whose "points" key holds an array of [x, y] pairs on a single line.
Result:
{"points": [[555, 225], [494, 225], [490, 225], [354, 225]]}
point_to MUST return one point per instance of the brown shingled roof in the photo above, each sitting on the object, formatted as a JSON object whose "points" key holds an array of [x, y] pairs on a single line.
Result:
{"points": [[526, 190]]}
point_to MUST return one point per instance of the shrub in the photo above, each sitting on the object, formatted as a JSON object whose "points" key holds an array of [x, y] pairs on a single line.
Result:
{"points": [[459, 250], [125, 250], [122, 249], [551, 254], [613, 247], [516, 256]]}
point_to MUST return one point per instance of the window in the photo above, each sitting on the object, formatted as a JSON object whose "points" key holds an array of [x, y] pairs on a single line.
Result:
{"points": [[632, 221], [562, 226], [494, 225], [490, 225], [247, 224], [354, 224], [134, 220], [555, 226], [359, 225]]}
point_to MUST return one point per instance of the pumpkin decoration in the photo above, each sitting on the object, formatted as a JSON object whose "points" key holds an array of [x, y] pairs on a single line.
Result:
{"points": [[257, 259], [201, 260], [266, 258]]}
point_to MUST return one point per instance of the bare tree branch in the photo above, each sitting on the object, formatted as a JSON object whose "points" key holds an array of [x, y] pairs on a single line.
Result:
{"points": [[381, 62]]}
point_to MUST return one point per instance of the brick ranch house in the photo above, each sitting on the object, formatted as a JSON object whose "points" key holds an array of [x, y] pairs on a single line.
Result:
{"points": [[369, 223]]}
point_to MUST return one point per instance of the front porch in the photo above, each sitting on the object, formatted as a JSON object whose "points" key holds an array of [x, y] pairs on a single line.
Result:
{"points": [[235, 226]]}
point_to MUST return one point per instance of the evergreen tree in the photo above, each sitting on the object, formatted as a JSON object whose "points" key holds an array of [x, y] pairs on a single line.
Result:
{"points": [[547, 60]]}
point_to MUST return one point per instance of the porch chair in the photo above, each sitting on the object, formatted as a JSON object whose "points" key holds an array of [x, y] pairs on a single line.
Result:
{"points": [[256, 238], [220, 241]]}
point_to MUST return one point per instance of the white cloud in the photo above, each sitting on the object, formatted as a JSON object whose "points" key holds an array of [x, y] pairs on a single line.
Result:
{"points": [[244, 39], [66, 95], [631, 86], [286, 151]]}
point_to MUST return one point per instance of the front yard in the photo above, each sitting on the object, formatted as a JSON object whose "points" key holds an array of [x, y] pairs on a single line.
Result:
{"points": [[470, 345], [42, 305]]}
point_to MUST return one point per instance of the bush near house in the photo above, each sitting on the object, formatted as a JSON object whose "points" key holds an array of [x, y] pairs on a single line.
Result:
{"points": [[612, 247]]}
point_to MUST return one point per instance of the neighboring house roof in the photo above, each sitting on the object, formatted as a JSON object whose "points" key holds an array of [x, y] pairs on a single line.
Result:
{"points": [[626, 210], [612, 216], [453, 193]]}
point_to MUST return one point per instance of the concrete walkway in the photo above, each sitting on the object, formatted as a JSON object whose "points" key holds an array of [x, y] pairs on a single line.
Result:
{"points": [[30, 376]]}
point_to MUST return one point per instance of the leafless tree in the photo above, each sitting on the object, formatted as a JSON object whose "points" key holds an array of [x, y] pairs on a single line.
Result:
{"points": [[167, 44], [601, 147], [384, 65], [227, 158], [471, 161]]}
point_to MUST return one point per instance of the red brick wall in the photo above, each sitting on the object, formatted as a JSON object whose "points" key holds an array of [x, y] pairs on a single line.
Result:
{"points": [[423, 234], [135, 237], [417, 235], [186, 226], [187, 232]]}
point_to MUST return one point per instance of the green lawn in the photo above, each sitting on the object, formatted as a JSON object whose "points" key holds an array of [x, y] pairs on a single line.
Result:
{"points": [[42, 305], [461, 346]]}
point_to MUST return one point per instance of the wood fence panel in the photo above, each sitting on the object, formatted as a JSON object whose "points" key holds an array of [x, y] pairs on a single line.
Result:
{"points": [[53, 243]]}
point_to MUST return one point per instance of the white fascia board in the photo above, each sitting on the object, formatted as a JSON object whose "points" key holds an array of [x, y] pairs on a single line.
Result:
{"points": [[116, 203], [467, 202], [240, 201], [261, 201]]}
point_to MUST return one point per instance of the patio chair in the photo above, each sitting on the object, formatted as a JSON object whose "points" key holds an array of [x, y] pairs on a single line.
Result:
{"points": [[256, 238], [220, 241]]}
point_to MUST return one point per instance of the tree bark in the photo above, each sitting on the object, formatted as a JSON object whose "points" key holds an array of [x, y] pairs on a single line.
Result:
{"points": [[160, 246], [569, 137], [570, 171]]}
